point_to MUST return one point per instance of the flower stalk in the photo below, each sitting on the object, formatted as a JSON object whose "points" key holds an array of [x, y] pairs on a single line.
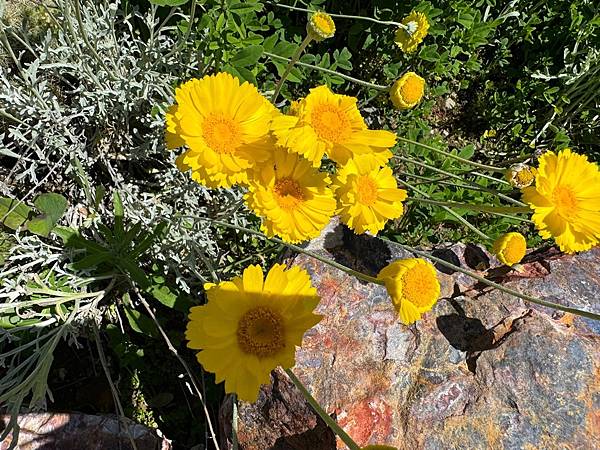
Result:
{"points": [[479, 208], [295, 57], [322, 413]]}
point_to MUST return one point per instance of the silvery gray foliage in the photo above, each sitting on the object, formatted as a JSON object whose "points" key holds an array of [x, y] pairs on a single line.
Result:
{"points": [[94, 91], [79, 108]]}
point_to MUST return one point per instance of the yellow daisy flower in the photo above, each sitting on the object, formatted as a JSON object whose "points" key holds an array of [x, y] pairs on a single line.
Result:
{"points": [[251, 325], [320, 26], [291, 196], [418, 26], [407, 91], [172, 138], [520, 175], [566, 200], [225, 124], [331, 123], [368, 195], [413, 286], [510, 248]]}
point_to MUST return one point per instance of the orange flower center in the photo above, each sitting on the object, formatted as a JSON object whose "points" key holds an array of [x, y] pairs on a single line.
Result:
{"points": [[260, 332], [514, 250], [221, 134], [419, 286], [330, 122], [366, 190], [565, 201], [288, 193], [412, 90]]}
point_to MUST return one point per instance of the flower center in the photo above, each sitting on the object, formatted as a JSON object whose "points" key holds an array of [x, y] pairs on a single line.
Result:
{"points": [[412, 90], [565, 201], [515, 250], [324, 24], [330, 122], [524, 177], [260, 332], [221, 134], [288, 193], [366, 190], [419, 286]]}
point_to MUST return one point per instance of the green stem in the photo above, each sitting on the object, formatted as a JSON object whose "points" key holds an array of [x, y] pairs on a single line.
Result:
{"points": [[322, 413], [450, 211], [295, 57], [529, 298], [331, 72], [453, 156], [479, 208], [348, 270], [343, 16]]}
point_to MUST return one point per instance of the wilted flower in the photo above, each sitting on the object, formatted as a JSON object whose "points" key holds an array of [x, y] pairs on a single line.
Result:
{"points": [[510, 248], [417, 26], [413, 286], [520, 175], [407, 91]]}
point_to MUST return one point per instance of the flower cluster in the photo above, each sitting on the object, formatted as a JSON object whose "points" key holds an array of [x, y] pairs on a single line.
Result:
{"points": [[234, 136], [412, 33]]}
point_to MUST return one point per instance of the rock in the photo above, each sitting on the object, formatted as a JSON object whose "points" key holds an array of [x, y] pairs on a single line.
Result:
{"points": [[482, 370], [74, 431]]}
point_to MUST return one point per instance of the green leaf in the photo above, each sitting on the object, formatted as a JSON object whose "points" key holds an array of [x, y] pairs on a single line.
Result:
{"points": [[119, 214], [247, 56], [140, 323], [169, 2], [245, 8], [52, 206], [19, 212]]}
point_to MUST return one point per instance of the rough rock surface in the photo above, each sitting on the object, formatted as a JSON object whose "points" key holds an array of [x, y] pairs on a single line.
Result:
{"points": [[483, 370], [74, 431]]}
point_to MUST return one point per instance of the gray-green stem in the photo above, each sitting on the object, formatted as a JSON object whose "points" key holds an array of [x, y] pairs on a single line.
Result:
{"points": [[479, 208], [296, 56], [331, 72], [322, 413]]}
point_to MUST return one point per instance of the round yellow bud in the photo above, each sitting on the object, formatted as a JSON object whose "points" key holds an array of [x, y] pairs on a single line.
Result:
{"points": [[320, 26], [510, 248], [407, 91]]}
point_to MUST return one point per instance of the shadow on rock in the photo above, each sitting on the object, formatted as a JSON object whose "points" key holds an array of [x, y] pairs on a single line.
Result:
{"points": [[448, 255], [467, 334], [363, 253], [476, 258]]}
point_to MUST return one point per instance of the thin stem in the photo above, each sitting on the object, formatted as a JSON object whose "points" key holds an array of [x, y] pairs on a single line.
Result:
{"points": [[348, 270], [332, 72], [343, 16], [295, 57], [172, 349], [529, 298], [453, 156], [450, 211], [469, 186], [479, 208], [322, 413]]}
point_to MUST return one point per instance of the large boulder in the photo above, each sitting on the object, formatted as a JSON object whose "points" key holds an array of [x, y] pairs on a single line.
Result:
{"points": [[482, 370]]}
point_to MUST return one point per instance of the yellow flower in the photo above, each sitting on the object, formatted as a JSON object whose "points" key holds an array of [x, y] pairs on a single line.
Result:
{"points": [[520, 175], [413, 286], [510, 248], [407, 91], [379, 447], [294, 107], [172, 138], [566, 200], [320, 26], [409, 40], [251, 325], [226, 127], [291, 196], [368, 195], [331, 123]]}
